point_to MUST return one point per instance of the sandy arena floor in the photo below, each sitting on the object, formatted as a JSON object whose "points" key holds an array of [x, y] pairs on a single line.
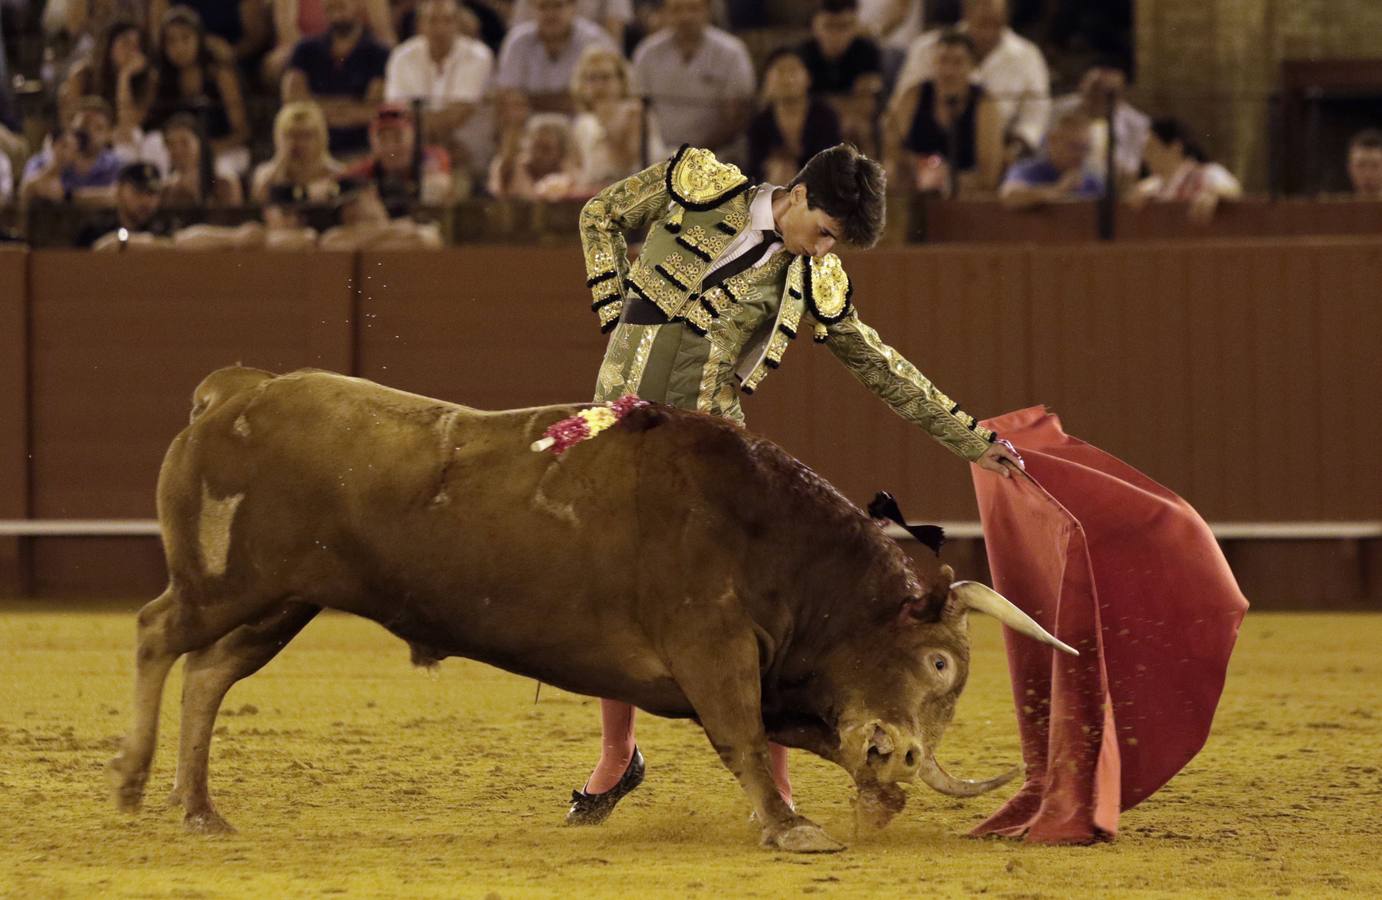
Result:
{"points": [[349, 772]]}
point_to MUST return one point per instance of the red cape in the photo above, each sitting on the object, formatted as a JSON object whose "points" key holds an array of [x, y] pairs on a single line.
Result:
{"points": [[1128, 573]]}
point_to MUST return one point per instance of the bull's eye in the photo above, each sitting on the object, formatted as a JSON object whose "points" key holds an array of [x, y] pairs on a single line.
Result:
{"points": [[939, 663]]}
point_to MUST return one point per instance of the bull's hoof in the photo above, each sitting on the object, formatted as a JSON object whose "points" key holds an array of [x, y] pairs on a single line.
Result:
{"points": [[803, 837], [127, 789], [207, 822]]}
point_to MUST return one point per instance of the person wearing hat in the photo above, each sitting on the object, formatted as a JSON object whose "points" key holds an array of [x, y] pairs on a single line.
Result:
{"points": [[402, 181], [138, 188]]}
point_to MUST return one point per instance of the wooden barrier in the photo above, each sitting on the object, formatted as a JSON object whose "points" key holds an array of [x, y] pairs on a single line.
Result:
{"points": [[1242, 373]]}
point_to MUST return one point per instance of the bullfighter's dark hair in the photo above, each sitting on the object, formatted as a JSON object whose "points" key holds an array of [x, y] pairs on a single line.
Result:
{"points": [[851, 188]]}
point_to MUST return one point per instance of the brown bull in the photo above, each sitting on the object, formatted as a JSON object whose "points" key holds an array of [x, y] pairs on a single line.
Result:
{"points": [[675, 562]]}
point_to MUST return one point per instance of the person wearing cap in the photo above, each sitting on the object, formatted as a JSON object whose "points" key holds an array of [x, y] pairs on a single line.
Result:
{"points": [[391, 167], [137, 193]]}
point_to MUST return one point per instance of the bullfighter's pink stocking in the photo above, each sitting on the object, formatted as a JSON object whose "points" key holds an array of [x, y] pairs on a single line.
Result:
{"points": [[616, 746], [616, 750]]}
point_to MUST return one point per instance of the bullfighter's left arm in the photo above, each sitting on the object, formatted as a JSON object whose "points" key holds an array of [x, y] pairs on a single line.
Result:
{"points": [[623, 206], [882, 369]]}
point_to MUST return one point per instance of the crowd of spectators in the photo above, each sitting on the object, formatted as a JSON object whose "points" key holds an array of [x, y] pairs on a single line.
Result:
{"points": [[380, 108]]}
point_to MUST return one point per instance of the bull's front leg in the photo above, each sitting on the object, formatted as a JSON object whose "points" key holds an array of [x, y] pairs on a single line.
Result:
{"points": [[723, 687]]}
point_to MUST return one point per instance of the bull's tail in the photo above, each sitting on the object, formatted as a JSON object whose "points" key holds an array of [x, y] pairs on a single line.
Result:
{"points": [[223, 384]]}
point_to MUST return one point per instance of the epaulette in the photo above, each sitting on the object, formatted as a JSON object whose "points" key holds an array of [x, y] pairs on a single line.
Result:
{"points": [[826, 288], [698, 181]]}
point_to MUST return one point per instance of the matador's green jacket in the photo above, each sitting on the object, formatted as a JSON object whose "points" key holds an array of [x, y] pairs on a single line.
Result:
{"points": [[721, 341]]}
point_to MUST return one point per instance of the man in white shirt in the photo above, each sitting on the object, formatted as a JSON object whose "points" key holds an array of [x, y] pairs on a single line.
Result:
{"points": [[1011, 69], [539, 57], [699, 80], [450, 73]]}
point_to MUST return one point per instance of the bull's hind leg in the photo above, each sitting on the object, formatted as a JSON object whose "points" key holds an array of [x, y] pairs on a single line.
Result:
{"points": [[208, 675], [167, 628]]}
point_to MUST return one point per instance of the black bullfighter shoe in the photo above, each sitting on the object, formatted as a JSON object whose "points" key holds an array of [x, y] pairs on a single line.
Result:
{"points": [[593, 809]]}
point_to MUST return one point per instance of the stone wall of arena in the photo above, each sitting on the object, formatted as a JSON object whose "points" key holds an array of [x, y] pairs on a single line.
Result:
{"points": [[1243, 373]]}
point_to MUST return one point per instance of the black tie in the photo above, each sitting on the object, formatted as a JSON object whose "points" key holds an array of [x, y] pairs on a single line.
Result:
{"points": [[743, 261]]}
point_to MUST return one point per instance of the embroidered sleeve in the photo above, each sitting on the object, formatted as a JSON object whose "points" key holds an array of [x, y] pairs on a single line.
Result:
{"points": [[621, 207], [902, 386]]}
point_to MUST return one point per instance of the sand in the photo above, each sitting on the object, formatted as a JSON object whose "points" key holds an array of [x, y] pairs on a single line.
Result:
{"points": [[347, 771]]}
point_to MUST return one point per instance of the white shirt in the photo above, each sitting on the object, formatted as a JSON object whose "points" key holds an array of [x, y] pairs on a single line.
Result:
{"points": [[1014, 74], [760, 220], [463, 77], [597, 167], [873, 12], [688, 96]]}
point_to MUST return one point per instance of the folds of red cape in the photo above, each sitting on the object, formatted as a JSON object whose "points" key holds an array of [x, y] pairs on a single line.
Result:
{"points": [[1129, 574]]}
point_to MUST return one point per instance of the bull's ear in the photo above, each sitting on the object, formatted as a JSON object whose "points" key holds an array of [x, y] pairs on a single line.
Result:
{"points": [[927, 610], [883, 506]]}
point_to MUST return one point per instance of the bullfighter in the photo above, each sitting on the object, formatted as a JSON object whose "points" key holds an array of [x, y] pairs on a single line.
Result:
{"points": [[728, 275]]}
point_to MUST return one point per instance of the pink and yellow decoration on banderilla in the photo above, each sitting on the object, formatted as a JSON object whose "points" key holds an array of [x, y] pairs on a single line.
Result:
{"points": [[584, 425]]}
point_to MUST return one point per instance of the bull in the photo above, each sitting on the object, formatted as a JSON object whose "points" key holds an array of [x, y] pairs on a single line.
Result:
{"points": [[675, 562]]}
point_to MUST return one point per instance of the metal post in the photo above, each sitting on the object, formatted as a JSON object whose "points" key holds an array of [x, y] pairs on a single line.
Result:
{"points": [[1108, 202]]}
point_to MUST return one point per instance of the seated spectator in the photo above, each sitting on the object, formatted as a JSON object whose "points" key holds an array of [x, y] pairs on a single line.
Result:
{"points": [[79, 164], [1365, 164], [539, 57], [1181, 172], [132, 222], [193, 180], [950, 126], [118, 72], [612, 15], [301, 157], [699, 79], [75, 27], [1011, 69], [365, 224], [846, 68], [297, 20], [613, 136], [285, 219], [343, 71], [189, 79], [1059, 173], [838, 54], [237, 31], [450, 73], [793, 126], [541, 165], [1100, 84], [390, 165]]}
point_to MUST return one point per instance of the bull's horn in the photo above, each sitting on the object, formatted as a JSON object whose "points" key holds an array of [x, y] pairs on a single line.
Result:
{"points": [[984, 599], [932, 773]]}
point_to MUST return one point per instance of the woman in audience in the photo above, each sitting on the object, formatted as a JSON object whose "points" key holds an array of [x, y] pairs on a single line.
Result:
{"points": [[192, 178], [190, 79], [954, 134], [301, 159], [610, 128], [540, 165], [1181, 172], [792, 125], [118, 72]]}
